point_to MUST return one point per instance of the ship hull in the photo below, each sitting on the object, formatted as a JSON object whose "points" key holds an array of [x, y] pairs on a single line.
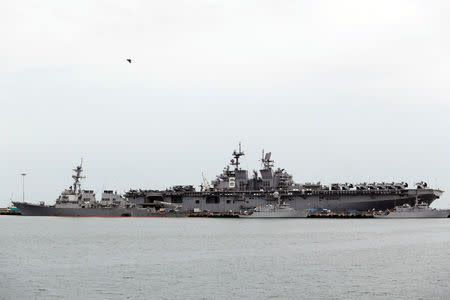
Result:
{"points": [[28, 209], [332, 200]]}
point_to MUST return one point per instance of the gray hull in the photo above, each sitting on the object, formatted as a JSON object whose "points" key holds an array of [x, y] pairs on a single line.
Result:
{"points": [[28, 209], [333, 200]]}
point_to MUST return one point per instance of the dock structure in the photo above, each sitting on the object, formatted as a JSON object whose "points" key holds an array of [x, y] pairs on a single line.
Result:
{"points": [[207, 214], [341, 214], [8, 211]]}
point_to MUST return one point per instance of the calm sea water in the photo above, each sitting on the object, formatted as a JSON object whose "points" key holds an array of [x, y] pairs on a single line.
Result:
{"points": [[189, 258]]}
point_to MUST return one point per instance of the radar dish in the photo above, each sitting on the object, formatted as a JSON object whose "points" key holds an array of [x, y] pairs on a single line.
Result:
{"points": [[267, 157]]}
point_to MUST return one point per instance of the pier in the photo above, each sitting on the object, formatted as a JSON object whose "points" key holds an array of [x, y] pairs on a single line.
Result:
{"points": [[340, 214], [8, 211], [214, 215]]}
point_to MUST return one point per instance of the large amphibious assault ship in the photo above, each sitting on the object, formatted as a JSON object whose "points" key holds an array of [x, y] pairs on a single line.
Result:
{"points": [[233, 191]]}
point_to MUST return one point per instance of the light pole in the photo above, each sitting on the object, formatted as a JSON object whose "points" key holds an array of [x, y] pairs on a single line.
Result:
{"points": [[23, 186]]}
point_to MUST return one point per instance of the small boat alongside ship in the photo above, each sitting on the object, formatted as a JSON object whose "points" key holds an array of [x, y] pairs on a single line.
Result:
{"points": [[279, 210], [419, 210]]}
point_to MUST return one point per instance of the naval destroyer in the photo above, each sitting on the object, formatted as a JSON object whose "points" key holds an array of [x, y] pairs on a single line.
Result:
{"points": [[233, 191], [76, 202]]}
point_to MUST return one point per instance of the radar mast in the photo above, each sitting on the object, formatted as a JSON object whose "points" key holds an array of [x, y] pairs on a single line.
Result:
{"points": [[266, 161], [235, 162], [77, 176]]}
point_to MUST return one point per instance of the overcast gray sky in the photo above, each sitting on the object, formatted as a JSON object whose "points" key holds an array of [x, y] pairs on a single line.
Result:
{"points": [[339, 91]]}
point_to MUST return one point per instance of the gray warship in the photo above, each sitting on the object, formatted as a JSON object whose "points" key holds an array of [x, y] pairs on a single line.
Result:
{"points": [[419, 210], [277, 210], [234, 191], [76, 202]]}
